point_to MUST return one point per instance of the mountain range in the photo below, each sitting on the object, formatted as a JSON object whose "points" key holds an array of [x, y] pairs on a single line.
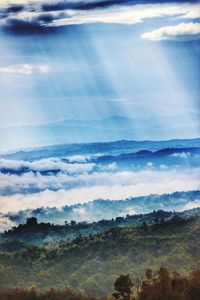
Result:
{"points": [[104, 130], [115, 148]]}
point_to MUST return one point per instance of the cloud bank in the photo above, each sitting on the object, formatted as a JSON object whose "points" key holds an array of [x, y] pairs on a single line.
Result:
{"points": [[114, 192], [38, 185], [182, 31], [47, 165], [55, 182]]}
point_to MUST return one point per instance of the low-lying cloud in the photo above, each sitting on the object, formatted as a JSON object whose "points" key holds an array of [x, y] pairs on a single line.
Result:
{"points": [[45, 165], [5, 223], [64, 189], [59, 181]]}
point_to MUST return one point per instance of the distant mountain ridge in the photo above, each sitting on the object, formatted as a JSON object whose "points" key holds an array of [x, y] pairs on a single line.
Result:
{"points": [[142, 154], [116, 121], [118, 147], [105, 130], [173, 156], [112, 122]]}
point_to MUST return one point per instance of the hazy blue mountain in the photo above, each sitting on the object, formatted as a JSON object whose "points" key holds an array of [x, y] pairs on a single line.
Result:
{"points": [[135, 160], [108, 129], [105, 148], [122, 122]]}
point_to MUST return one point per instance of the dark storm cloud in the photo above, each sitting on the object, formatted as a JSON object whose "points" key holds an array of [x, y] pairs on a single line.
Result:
{"points": [[36, 23], [14, 9], [87, 5]]}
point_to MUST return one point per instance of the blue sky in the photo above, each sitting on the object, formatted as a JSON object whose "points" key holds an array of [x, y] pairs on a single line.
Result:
{"points": [[89, 60], [93, 59]]}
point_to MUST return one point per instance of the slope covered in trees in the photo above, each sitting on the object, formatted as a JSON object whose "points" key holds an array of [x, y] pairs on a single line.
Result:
{"points": [[160, 285], [92, 263], [33, 232]]}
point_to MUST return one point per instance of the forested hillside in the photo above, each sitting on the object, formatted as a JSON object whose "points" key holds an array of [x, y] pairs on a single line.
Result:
{"points": [[162, 285], [93, 263], [37, 233], [33, 232]]}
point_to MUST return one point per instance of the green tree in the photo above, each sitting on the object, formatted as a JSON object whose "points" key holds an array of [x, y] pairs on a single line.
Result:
{"points": [[31, 222], [123, 287]]}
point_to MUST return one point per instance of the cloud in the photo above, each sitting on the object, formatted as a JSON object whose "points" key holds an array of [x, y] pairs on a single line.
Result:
{"points": [[64, 189], [191, 205], [24, 69], [57, 164], [63, 181], [127, 15], [80, 158], [110, 167], [5, 223], [43, 15], [182, 154], [81, 214], [44, 165], [23, 177], [12, 164], [182, 32]]}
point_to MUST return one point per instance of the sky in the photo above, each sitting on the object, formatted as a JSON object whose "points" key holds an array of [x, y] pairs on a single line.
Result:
{"points": [[91, 59]]}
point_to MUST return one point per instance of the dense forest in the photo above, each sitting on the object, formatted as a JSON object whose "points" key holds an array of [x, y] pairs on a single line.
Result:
{"points": [[37, 233], [92, 263], [160, 285]]}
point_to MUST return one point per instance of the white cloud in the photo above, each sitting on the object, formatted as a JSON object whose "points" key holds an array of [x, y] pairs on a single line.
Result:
{"points": [[28, 3], [87, 187], [82, 182], [12, 164], [128, 211], [191, 205], [182, 154], [24, 69], [80, 158], [81, 214], [47, 164], [129, 14], [57, 164], [110, 167], [182, 31], [5, 223]]}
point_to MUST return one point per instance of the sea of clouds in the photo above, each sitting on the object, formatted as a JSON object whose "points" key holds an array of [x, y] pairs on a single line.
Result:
{"points": [[66, 181]]}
